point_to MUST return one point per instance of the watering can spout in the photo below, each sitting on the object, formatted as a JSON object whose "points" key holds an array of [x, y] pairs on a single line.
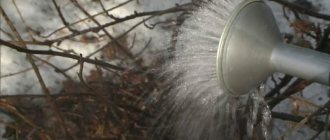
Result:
{"points": [[251, 49], [302, 62]]}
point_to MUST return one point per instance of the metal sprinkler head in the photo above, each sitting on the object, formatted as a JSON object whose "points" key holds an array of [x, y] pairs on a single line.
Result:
{"points": [[251, 49]]}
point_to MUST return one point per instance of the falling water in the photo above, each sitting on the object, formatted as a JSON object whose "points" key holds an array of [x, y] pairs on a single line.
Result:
{"points": [[195, 107], [259, 117]]}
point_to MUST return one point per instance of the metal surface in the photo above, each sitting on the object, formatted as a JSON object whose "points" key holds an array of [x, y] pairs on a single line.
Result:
{"points": [[302, 62], [251, 49], [245, 47]]}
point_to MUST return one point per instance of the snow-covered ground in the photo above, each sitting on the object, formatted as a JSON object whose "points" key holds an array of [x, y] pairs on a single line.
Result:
{"points": [[38, 16]]}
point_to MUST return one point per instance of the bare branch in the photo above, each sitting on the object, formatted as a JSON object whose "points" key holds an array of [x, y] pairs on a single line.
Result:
{"points": [[95, 15], [58, 9], [303, 10], [297, 86], [37, 72], [119, 37], [66, 55], [180, 8], [143, 49], [123, 49]]}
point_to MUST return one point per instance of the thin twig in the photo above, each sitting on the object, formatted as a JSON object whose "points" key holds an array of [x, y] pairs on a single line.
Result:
{"points": [[297, 86], [37, 72], [316, 135], [284, 81], [56, 53], [133, 42], [80, 74], [12, 110], [60, 14], [303, 10], [143, 49], [22, 19], [176, 9], [20, 72], [6, 33], [122, 48], [107, 11], [113, 8], [119, 37], [55, 68], [315, 124]]}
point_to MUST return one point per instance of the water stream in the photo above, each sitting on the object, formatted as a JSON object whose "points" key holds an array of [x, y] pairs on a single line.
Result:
{"points": [[259, 115]]}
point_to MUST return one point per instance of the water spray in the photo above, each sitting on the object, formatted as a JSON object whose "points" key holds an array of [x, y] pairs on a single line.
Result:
{"points": [[225, 48], [251, 49]]}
